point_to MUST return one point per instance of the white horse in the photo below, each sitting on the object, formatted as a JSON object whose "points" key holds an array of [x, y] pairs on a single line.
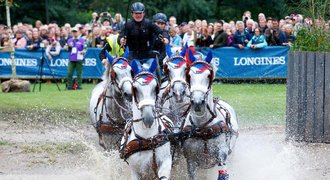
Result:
{"points": [[145, 145], [109, 106], [175, 99], [210, 125]]}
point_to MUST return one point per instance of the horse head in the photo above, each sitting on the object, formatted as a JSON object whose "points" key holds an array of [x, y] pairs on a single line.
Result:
{"points": [[121, 76], [145, 91], [199, 78], [175, 68]]}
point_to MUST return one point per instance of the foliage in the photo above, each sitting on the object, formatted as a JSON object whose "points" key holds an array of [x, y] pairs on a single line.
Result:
{"points": [[313, 39], [79, 11]]}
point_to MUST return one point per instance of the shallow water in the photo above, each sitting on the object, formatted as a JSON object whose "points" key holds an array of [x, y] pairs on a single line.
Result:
{"points": [[260, 153]]}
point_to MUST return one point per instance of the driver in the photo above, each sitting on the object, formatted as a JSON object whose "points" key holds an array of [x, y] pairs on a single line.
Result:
{"points": [[138, 35]]}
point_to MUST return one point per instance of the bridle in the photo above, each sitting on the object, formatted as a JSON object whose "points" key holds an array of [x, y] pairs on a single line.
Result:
{"points": [[210, 76], [166, 69], [113, 75], [144, 102]]}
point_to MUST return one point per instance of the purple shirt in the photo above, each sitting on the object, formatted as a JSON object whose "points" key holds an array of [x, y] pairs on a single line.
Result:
{"points": [[77, 48]]}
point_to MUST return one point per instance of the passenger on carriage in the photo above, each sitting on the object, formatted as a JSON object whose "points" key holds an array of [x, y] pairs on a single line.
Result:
{"points": [[138, 35], [160, 20]]}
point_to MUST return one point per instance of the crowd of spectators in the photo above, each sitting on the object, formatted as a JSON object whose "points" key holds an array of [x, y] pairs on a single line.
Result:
{"points": [[259, 33]]}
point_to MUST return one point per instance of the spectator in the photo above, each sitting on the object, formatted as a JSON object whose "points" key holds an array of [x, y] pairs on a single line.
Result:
{"points": [[269, 22], [189, 37], [289, 38], [327, 25], [250, 27], [95, 22], [43, 32], [230, 36], [28, 37], [183, 29], [138, 34], [204, 40], [19, 41], [210, 30], [118, 23], [261, 16], [53, 49], [175, 39], [100, 40], [220, 37], [34, 44], [38, 24], [64, 37], [241, 37], [262, 25], [172, 21], [274, 36], [246, 16], [5, 42], [76, 57], [258, 41]]}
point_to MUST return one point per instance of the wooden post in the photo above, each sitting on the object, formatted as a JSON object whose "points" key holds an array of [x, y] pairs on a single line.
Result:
{"points": [[308, 97]]}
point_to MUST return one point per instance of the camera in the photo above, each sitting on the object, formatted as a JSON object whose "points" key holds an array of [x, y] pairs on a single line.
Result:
{"points": [[246, 18], [202, 36]]}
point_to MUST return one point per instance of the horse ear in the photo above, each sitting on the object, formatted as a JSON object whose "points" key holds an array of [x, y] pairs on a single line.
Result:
{"points": [[168, 50], [183, 52], [110, 58], [209, 57], [135, 68], [153, 66], [125, 55], [192, 58]]}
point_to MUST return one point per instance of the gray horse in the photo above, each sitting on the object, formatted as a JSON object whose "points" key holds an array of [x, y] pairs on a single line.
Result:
{"points": [[211, 124], [110, 103]]}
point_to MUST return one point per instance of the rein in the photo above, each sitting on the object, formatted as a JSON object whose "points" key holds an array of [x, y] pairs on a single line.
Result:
{"points": [[113, 126]]}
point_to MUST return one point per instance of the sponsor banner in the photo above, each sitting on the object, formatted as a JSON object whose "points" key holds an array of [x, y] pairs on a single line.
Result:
{"points": [[232, 63], [29, 64]]}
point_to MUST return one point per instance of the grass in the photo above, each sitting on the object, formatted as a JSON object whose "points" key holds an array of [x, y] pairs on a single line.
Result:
{"points": [[255, 104]]}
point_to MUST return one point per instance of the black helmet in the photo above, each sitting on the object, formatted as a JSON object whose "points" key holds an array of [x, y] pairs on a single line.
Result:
{"points": [[137, 7], [160, 17]]}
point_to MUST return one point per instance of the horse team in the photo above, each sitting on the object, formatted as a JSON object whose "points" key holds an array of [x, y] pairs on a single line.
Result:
{"points": [[150, 122]]}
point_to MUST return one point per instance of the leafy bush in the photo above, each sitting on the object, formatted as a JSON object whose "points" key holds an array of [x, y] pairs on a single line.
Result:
{"points": [[314, 39]]}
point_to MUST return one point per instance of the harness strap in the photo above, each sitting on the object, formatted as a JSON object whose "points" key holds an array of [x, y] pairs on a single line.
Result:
{"points": [[207, 132], [138, 145]]}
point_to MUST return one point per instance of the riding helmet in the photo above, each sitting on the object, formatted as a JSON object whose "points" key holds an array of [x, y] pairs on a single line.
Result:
{"points": [[137, 7], [160, 17]]}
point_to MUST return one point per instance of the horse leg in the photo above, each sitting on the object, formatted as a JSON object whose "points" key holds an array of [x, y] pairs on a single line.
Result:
{"points": [[101, 141], [164, 171], [135, 175], [192, 169]]}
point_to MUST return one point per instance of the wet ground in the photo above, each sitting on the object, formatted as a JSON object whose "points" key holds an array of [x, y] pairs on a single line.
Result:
{"points": [[46, 151]]}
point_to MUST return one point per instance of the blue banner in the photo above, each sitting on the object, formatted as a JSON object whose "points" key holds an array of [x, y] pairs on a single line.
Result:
{"points": [[29, 64], [232, 63]]}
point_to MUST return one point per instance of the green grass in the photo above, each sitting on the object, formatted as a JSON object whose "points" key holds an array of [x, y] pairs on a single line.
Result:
{"points": [[255, 104], [49, 97]]}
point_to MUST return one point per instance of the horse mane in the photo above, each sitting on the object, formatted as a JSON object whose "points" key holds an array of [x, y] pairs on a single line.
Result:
{"points": [[215, 67], [106, 74]]}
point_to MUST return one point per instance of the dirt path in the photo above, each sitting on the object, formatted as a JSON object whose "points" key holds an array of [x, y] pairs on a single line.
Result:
{"points": [[57, 152]]}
